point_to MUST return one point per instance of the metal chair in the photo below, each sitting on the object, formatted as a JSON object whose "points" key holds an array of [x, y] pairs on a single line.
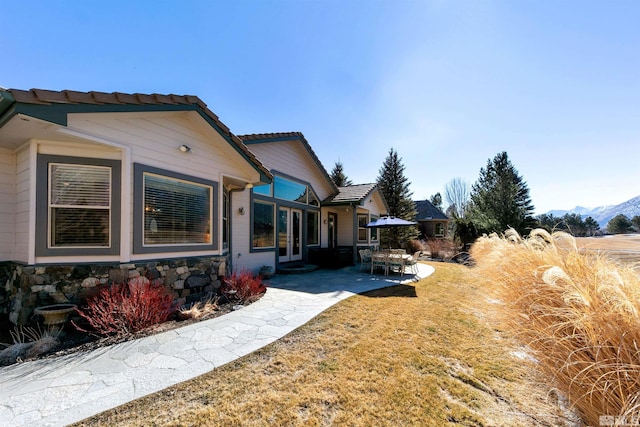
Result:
{"points": [[365, 258], [412, 262], [379, 260]]}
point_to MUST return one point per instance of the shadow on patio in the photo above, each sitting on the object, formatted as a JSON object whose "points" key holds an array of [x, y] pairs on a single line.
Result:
{"points": [[348, 279]]}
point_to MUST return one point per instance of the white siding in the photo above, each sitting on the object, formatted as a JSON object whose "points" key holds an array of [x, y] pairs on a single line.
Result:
{"points": [[291, 158], [23, 205], [154, 139], [7, 203], [241, 256]]}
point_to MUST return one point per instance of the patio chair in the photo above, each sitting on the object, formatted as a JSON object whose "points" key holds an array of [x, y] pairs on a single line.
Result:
{"points": [[412, 262], [365, 258], [379, 261], [395, 263]]}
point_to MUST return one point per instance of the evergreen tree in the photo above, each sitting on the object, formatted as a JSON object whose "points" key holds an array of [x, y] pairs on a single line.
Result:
{"points": [[338, 176], [619, 224], [500, 199], [394, 187], [591, 225], [436, 200]]}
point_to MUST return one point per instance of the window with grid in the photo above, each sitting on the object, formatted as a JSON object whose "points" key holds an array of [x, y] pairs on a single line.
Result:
{"points": [[79, 205], [363, 220]]}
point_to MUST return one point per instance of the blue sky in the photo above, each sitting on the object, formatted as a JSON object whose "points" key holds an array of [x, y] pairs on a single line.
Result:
{"points": [[448, 84]]}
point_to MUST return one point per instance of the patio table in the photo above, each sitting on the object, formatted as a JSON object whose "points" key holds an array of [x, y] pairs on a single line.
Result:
{"points": [[388, 260]]}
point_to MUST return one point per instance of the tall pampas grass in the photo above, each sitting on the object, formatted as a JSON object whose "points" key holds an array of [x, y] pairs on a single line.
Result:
{"points": [[578, 313]]}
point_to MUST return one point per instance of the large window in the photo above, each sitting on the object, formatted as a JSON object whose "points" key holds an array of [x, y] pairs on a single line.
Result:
{"points": [[77, 206], [313, 228], [293, 191], [79, 199], [363, 220], [264, 231], [225, 220], [373, 231], [173, 212]]}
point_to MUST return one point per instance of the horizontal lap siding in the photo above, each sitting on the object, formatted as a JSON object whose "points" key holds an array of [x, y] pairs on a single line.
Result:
{"points": [[154, 140], [241, 256], [7, 204], [22, 206], [290, 158]]}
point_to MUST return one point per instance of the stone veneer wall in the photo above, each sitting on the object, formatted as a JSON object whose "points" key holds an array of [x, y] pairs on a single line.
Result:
{"points": [[28, 287]]}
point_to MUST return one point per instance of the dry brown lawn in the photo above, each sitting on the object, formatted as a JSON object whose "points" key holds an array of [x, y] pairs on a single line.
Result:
{"points": [[624, 247], [423, 355]]}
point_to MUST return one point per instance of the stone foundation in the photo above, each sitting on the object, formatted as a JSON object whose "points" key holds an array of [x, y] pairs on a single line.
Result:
{"points": [[23, 288]]}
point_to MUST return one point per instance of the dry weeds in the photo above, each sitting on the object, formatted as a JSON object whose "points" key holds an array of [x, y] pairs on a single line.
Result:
{"points": [[424, 355]]}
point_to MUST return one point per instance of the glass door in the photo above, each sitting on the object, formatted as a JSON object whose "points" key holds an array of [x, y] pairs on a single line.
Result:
{"points": [[289, 234]]}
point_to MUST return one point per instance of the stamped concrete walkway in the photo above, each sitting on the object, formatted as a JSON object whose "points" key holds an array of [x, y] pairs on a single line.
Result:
{"points": [[61, 391]]}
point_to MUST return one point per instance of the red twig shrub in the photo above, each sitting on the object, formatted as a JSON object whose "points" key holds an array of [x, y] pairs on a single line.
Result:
{"points": [[243, 286], [122, 309]]}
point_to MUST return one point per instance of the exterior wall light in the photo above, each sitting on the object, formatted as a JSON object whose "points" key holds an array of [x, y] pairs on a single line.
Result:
{"points": [[185, 148]]}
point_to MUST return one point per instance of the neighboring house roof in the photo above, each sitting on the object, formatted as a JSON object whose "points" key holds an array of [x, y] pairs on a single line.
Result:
{"points": [[262, 138], [54, 106], [426, 211], [353, 194]]}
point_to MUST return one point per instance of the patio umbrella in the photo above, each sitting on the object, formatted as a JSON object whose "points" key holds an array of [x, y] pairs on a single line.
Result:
{"points": [[390, 222]]}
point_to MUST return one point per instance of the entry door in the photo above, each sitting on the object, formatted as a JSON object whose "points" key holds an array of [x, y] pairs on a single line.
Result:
{"points": [[289, 234]]}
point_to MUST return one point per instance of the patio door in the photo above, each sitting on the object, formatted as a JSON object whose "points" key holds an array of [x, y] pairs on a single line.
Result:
{"points": [[289, 234]]}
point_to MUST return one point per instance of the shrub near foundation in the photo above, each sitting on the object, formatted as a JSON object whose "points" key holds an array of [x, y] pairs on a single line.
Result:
{"points": [[579, 314], [122, 309], [242, 286]]}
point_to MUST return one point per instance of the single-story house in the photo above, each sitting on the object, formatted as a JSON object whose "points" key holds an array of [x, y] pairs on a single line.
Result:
{"points": [[432, 222], [112, 185]]}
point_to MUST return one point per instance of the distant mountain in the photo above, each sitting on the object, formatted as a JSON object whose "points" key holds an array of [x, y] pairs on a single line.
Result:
{"points": [[603, 214]]}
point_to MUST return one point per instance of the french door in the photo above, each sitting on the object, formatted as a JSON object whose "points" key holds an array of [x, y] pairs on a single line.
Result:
{"points": [[289, 234]]}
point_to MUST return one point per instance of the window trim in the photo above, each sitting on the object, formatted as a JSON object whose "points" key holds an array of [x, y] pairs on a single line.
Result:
{"points": [[275, 232], [139, 170], [308, 213], [374, 229], [226, 219], [366, 231], [42, 248]]}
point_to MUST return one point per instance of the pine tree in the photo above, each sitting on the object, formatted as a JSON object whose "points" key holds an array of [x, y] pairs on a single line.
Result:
{"points": [[338, 176], [394, 187], [436, 200], [500, 199]]}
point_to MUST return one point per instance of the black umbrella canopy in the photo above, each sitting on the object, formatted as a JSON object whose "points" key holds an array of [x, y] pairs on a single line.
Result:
{"points": [[389, 221]]}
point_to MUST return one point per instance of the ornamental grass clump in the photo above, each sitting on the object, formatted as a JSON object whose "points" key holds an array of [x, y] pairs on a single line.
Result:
{"points": [[122, 309], [578, 313]]}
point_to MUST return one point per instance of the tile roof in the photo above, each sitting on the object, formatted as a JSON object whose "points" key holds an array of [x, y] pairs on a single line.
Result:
{"points": [[351, 194], [261, 138], [69, 97], [427, 211]]}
